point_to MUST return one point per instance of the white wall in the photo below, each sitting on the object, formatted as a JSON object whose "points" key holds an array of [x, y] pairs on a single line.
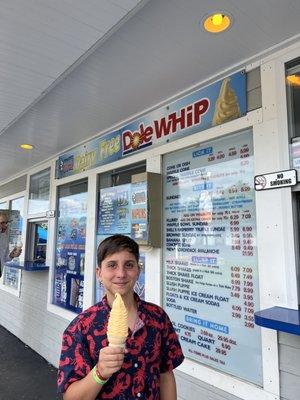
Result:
{"points": [[289, 356]]}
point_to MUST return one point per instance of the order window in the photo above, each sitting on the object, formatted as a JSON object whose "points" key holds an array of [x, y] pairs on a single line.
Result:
{"points": [[114, 213], [293, 107]]}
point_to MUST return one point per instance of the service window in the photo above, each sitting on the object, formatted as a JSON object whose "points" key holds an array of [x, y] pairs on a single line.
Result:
{"points": [[37, 237], [70, 245], [211, 285], [293, 107], [39, 192], [114, 213]]}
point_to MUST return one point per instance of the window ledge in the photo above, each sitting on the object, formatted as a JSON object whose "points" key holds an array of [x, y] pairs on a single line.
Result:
{"points": [[280, 319], [27, 266]]}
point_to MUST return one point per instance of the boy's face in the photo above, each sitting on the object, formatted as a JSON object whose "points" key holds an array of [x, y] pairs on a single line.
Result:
{"points": [[118, 273]]}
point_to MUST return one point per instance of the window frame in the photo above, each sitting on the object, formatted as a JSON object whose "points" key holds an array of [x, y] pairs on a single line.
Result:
{"points": [[31, 175], [292, 66]]}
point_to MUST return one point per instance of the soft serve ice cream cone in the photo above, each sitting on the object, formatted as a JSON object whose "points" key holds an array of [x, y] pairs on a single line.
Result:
{"points": [[117, 329], [227, 105]]}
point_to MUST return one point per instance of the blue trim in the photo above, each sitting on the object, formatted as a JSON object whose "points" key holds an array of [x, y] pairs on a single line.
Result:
{"points": [[28, 266], [279, 318]]}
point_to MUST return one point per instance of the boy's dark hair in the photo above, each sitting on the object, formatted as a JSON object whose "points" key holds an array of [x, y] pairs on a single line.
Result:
{"points": [[115, 244]]}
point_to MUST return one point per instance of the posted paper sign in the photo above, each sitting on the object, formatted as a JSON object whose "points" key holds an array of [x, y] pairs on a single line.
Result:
{"points": [[114, 210], [70, 252]]}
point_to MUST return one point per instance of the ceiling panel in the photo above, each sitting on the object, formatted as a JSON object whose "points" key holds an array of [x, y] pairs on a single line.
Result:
{"points": [[160, 51], [41, 39]]}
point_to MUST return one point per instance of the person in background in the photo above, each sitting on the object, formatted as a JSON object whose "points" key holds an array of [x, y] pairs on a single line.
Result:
{"points": [[89, 369], [5, 255]]}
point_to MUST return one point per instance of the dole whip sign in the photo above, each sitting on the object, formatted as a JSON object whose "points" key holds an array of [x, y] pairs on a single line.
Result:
{"points": [[216, 104]]}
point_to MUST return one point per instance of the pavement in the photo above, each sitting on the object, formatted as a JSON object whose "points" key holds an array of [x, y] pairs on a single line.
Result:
{"points": [[24, 374]]}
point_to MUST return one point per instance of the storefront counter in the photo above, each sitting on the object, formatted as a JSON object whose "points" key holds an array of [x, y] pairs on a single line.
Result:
{"points": [[279, 318], [28, 266]]}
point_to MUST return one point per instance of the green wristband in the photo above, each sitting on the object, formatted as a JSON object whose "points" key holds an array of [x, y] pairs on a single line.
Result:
{"points": [[96, 378]]}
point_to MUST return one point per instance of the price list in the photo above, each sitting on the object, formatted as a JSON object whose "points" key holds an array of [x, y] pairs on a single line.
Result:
{"points": [[210, 259], [114, 210]]}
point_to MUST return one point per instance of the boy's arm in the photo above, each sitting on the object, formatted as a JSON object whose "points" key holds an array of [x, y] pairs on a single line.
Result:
{"points": [[168, 386]]}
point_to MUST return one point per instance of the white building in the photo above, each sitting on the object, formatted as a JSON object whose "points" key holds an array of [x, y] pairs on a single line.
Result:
{"points": [[106, 91]]}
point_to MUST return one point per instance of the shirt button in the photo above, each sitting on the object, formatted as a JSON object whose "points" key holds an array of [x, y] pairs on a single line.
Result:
{"points": [[135, 366], [139, 395]]}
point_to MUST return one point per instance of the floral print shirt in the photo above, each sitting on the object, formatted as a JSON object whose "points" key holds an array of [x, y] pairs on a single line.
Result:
{"points": [[153, 348]]}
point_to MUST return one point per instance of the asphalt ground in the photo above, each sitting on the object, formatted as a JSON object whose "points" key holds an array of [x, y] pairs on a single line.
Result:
{"points": [[24, 374]]}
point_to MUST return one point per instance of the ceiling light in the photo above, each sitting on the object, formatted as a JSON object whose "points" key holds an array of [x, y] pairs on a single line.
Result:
{"points": [[217, 19], [293, 80], [26, 146], [217, 22]]}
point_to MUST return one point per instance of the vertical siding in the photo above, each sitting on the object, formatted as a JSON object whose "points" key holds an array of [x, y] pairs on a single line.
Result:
{"points": [[289, 364], [28, 319], [254, 100], [193, 389]]}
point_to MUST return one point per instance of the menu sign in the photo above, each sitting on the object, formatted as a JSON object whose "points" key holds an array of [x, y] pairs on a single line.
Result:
{"points": [[123, 209], [139, 211], [11, 277], [210, 256], [15, 228], [114, 211]]}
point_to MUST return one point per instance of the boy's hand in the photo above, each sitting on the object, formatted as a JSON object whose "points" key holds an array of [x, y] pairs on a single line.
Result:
{"points": [[110, 361]]}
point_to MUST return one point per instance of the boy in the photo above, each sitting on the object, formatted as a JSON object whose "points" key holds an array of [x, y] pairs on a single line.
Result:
{"points": [[89, 369]]}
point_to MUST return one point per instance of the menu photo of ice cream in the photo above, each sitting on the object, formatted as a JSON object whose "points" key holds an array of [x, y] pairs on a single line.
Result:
{"points": [[227, 106]]}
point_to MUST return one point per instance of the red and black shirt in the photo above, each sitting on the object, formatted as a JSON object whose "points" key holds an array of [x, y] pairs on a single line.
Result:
{"points": [[153, 348]]}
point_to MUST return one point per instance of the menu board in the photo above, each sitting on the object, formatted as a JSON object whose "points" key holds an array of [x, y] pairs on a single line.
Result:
{"points": [[211, 286], [114, 210], [139, 211], [70, 252], [11, 276], [15, 228], [123, 210]]}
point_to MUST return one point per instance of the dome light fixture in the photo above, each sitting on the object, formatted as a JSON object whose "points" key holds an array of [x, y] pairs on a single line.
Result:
{"points": [[26, 146], [217, 22]]}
